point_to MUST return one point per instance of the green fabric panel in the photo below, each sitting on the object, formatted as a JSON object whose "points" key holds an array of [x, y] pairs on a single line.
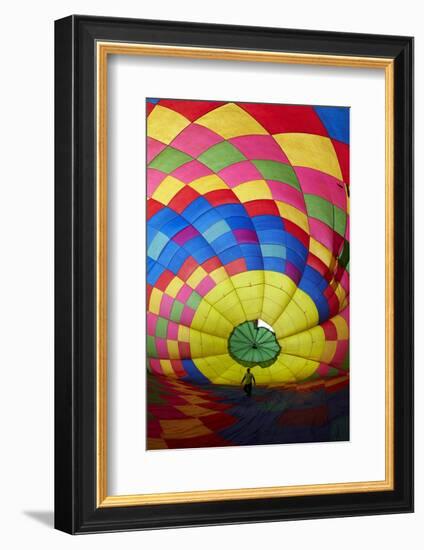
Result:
{"points": [[176, 311], [161, 327], [320, 209], [277, 171], [194, 300], [344, 256], [220, 156], [169, 159], [332, 372], [339, 220], [345, 364], [251, 345], [151, 348]]}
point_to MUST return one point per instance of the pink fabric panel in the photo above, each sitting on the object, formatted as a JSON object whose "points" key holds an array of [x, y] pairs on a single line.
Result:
{"points": [[165, 306], [172, 332], [205, 286], [184, 294], [162, 348], [187, 316], [195, 139], [151, 324], [315, 182], [259, 148], [339, 356], [286, 193], [191, 171], [321, 233], [240, 172], [154, 147], [154, 178]]}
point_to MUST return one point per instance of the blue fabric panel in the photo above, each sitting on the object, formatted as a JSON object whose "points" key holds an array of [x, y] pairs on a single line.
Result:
{"points": [[336, 121]]}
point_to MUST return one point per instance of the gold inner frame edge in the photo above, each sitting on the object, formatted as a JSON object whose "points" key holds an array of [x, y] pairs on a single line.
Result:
{"points": [[103, 49]]}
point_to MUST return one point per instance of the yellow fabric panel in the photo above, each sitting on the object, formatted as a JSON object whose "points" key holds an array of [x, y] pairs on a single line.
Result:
{"points": [[252, 190], [216, 324], [196, 349], [183, 333], [183, 428], [224, 361], [278, 291], [166, 367], [340, 293], [280, 373], [173, 351], [174, 287], [229, 121], [155, 301], [199, 319], [168, 188], [271, 309], [309, 343], [194, 410], [195, 399], [209, 319], [201, 315], [212, 345], [284, 327], [196, 277], [221, 362], [253, 292], [205, 368], [164, 124], [281, 281], [300, 367], [250, 290], [329, 351], [232, 310], [214, 366], [208, 183], [155, 443], [300, 314], [219, 275], [298, 344], [225, 299], [263, 377], [231, 376], [293, 214], [341, 326], [248, 278], [224, 288], [311, 151], [251, 306], [321, 252]]}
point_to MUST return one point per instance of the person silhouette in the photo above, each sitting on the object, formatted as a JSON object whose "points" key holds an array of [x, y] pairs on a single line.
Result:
{"points": [[248, 379]]}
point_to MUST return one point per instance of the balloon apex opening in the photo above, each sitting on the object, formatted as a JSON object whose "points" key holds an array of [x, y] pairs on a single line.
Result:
{"points": [[253, 343]]}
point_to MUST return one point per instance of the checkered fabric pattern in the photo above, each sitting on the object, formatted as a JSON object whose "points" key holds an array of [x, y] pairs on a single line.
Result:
{"points": [[184, 415], [248, 218]]}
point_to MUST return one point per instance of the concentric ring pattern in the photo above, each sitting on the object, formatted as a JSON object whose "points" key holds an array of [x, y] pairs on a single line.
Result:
{"points": [[247, 220]]}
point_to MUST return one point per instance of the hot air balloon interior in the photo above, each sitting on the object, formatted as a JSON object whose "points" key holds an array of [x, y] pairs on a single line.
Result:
{"points": [[247, 273]]}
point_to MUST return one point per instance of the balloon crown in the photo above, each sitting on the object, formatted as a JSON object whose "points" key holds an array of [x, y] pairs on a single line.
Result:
{"points": [[251, 345]]}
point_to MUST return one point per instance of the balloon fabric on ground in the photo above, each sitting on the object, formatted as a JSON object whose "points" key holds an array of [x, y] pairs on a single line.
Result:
{"points": [[247, 267]]}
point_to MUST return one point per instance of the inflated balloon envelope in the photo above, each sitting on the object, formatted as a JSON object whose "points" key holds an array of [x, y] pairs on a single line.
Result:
{"points": [[248, 245]]}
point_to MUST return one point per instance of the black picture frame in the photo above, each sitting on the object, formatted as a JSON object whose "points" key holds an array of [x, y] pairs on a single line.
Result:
{"points": [[76, 510]]}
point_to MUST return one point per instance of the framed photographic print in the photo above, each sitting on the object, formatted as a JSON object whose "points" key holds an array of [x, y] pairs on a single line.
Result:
{"points": [[234, 274]]}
